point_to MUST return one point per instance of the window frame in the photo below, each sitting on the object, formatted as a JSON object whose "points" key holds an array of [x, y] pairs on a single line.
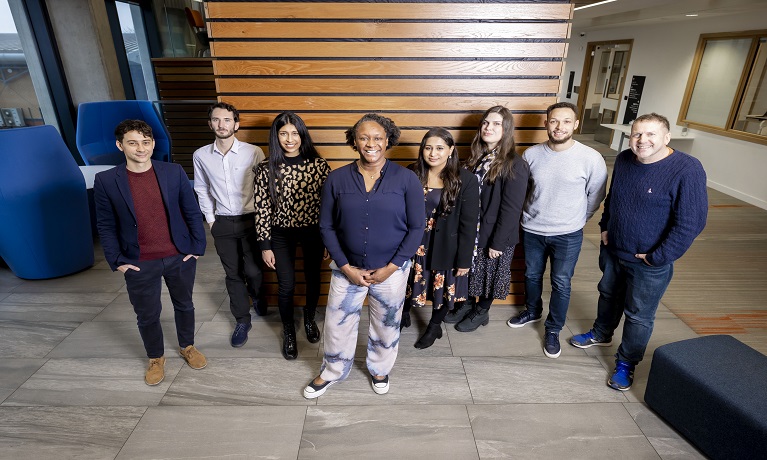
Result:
{"points": [[728, 130]]}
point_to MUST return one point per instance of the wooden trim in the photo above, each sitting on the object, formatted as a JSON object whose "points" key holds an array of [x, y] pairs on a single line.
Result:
{"points": [[344, 120], [260, 136]]}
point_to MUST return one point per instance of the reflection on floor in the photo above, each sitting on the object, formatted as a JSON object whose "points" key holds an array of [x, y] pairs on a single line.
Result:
{"points": [[71, 377]]}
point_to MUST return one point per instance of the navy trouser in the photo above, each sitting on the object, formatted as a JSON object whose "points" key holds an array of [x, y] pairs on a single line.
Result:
{"points": [[144, 288]]}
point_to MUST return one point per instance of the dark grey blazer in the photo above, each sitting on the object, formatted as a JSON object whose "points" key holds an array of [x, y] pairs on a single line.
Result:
{"points": [[501, 207]]}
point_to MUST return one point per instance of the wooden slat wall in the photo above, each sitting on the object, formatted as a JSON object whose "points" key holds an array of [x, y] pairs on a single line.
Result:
{"points": [[421, 63], [187, 88]]}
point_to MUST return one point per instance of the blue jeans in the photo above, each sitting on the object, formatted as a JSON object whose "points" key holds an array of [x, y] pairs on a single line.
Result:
{"points": [[633, 288], [563, 250]]}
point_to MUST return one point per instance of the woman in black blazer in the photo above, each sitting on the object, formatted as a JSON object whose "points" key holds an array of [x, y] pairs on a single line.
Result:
{"points": [[502, 175], [442, 262]]}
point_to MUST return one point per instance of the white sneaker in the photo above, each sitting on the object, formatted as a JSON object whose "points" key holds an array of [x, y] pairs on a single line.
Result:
{"points": [[381, 387], [315, 391]]}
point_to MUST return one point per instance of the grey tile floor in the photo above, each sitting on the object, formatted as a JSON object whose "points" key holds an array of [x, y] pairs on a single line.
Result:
{"points": [[71, 384]]}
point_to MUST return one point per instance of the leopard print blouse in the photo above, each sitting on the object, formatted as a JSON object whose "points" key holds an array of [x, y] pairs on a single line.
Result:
{"points": [[300, 193]]}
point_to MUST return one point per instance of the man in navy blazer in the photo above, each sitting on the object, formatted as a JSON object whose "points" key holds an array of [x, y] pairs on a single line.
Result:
{"points": [[151, 228]]}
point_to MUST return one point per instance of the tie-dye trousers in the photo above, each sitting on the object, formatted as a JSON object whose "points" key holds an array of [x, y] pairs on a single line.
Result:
{"points": [[342, 319]]}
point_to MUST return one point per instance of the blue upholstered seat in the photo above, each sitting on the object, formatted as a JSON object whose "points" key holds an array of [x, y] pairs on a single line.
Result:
{"points": [[96, 122], [46, 229]]}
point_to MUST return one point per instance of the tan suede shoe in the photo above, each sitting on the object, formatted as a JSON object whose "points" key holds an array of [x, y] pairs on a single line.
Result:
{"points": [[193, 357], [155, 373]]}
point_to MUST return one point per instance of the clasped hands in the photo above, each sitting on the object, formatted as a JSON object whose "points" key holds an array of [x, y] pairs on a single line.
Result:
{"points": [[364, 277]]}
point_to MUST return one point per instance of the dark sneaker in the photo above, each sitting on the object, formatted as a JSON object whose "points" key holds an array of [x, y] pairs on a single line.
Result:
{"points": [[523, 318], [240, 334], [551, 344], [315, 391], [458, 313], [623, 376], [381, 387], [589, 340]]}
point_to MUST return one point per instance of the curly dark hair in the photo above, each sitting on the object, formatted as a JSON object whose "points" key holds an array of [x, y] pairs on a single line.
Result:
{"points": [[225, 106], [392, 132], [127, 126], [450, 175]]}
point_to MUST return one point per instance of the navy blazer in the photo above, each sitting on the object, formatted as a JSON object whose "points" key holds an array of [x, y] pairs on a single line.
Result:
{"points": [[116, 217], [501, 207]]}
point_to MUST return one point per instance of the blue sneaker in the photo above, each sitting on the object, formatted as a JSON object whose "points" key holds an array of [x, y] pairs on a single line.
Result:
{"points": [[240, 334], [523, 318], [622, 377], [551, 344], [589, 340]]}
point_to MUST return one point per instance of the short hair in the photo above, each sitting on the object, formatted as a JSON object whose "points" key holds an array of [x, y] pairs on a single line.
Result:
{"points": [[127, 126], [654, 117], [227, 107], [392, 131], [561, 105]]}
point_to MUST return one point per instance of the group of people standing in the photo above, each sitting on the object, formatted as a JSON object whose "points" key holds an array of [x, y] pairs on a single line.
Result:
{"points": [[436, 231]]}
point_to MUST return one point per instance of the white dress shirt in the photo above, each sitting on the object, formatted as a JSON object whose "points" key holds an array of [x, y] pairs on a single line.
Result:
{"points": [[225, 182]]}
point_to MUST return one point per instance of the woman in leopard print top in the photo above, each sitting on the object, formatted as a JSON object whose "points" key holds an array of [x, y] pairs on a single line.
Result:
{"points": [[288, 186]]}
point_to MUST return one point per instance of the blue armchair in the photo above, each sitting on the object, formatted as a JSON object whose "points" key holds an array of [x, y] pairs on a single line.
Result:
{"points": [[46, 229], [96, 122]]}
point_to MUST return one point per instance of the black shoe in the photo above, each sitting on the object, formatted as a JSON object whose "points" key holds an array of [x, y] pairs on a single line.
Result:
{"points": [[405, 321], [289, 345], [459, 312], [477, 317], [433, 332], [312, 331], [260, 306]]}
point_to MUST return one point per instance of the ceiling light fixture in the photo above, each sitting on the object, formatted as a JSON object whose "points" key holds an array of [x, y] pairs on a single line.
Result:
{"points": [[593, 4]]}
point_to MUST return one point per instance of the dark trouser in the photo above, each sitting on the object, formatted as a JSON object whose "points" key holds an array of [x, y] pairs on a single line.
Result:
{"points": [[284, 242], [144, 289], [235, 240]]}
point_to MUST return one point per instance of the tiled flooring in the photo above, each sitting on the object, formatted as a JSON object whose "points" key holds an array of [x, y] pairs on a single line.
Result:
{"points": [[71, 377]]}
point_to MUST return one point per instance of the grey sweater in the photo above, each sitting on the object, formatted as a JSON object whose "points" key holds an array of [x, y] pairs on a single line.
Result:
{"points": [[565, 189]]}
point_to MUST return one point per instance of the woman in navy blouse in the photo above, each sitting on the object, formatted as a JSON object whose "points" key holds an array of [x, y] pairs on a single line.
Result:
{"points": [[502, 177], [371, 221]]}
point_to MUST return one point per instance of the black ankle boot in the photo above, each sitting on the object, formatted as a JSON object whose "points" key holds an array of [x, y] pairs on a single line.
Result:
{"points": [[459, 312], [477, 317], [405, 321], [289, 345], [312, 331], [433, 332]]}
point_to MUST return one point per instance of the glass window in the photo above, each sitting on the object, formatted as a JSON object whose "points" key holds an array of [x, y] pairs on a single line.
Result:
{"points": [[752, 116]]}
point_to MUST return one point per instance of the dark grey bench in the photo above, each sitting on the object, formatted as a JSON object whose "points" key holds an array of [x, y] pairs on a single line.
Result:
{"points": [[713, 390]]}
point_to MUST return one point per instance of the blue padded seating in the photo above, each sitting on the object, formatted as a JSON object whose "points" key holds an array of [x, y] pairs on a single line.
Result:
{"points": [[46, 229], [713, 390], [96, 123]]}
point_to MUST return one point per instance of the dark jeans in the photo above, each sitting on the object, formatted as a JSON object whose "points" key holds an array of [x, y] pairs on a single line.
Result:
{"points": [[144, 289], [563, 250], [633, 288], [284, 243], [235, 240]]}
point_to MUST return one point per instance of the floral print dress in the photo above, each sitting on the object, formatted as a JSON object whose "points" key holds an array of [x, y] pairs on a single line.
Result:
{"points": [[442, 287]]}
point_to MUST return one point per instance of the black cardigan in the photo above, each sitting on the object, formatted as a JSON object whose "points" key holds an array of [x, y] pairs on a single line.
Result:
{"points": [[455, 233], [501, 207]]}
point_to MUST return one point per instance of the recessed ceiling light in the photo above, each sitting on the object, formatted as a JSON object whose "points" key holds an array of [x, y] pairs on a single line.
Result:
{"points": [[593, 4], [691, 15]]}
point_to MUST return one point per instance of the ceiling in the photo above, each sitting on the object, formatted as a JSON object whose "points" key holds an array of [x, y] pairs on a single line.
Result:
{"points": [[621, 12]]}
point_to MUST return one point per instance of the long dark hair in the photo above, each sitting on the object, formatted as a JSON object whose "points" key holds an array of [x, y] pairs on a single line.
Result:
{"points": [[450, 175], [505, 151], [306, 150]]}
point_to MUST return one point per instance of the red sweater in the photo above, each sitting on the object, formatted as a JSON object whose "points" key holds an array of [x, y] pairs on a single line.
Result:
{"points": [[154, 239]]}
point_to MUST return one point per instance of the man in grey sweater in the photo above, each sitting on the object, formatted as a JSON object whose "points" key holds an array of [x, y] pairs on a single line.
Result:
{"points": [[567, 185]]}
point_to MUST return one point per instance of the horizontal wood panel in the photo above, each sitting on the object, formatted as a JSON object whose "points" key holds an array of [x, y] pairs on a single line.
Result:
{"points": [[385, 85], [329, 136], [425, 11], [383, 103], [189, 70], [388, 30], [453, 50], [346, 120], [191, 78], [393, 68]]}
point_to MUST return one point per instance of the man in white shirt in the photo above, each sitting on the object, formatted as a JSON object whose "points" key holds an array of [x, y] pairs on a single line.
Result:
{"points": [[224, 178], [567, 185]]}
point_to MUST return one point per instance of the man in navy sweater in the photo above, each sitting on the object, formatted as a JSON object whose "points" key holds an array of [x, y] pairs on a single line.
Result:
{"points": [[656, 206]]}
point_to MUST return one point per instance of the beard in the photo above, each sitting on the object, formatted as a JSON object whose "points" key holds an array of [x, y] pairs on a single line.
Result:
{"points": [[563, 140], [226, 135]]}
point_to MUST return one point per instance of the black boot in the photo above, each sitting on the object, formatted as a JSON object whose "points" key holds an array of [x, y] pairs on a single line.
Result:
{"points": [[459, 311], [433, 332], [405, 321], [312, 331], [477, 317], [289, 345]]}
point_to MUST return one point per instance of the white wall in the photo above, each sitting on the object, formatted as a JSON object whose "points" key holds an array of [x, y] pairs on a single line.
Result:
{"points": [[663, 53]]}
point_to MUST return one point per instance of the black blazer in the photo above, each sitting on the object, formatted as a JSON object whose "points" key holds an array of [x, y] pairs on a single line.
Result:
{"points": [[501, 207], [116, 217], [455, 233]]}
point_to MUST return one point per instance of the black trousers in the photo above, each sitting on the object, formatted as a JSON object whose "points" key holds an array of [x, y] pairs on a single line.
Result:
{"points": [[284, 243], [144, 289], [235, 240]]}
